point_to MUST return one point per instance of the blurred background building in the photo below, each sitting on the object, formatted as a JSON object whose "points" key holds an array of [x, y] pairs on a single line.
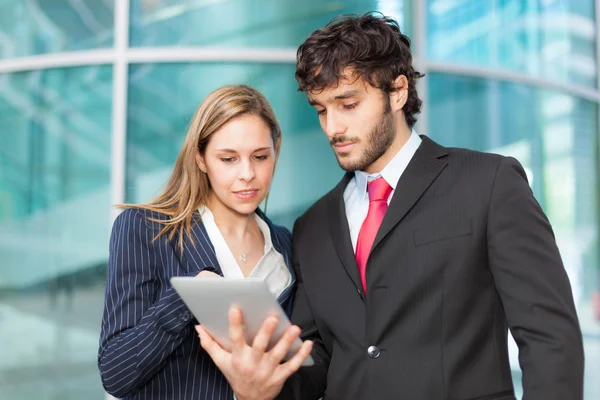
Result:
{"points": [[96, 96]]}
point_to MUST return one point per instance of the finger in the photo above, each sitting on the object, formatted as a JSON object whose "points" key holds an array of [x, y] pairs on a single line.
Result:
{"points": [[263, 337], [236, 329], [285, 370], [214, 349], [282, 347], [207, 274]]}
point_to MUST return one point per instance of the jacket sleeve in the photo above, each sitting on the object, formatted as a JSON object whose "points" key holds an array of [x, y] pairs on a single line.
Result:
{"points": [[534, 289], [143, 322], [309, 382]]}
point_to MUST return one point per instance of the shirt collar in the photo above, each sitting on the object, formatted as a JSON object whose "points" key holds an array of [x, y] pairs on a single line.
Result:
{"points": [[393, 170], [209, 218], [264, 228]]}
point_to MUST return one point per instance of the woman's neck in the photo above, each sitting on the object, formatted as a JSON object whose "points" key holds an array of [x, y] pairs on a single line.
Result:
{"points": [[230, 222]]}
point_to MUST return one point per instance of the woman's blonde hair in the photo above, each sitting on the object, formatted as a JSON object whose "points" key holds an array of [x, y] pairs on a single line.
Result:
{"points": [[188, 188]]}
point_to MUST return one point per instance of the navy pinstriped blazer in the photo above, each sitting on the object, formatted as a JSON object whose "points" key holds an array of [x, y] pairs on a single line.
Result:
{"points": [[148, 345]]}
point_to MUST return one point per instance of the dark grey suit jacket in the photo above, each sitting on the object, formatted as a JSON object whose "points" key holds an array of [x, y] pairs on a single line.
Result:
{"points": [[464, 253]]}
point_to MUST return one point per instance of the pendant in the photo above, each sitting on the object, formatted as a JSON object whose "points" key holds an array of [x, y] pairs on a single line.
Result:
{"points": [[243, 257]]}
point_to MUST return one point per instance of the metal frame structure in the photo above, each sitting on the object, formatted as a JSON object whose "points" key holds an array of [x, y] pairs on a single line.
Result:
{"points": [[119, 106]]}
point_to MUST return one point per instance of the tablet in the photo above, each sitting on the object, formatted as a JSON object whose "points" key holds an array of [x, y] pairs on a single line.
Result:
{"points": [[209, 299]]}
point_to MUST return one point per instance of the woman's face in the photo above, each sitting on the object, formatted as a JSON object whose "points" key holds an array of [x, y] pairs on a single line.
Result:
{"points": [[239, 161]]}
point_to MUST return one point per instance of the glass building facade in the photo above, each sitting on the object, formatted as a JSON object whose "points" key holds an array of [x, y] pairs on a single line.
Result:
{"points": [[96, 96]]}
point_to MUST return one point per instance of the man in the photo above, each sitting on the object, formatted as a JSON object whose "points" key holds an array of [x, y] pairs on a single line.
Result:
{"points": [[413, 267]]}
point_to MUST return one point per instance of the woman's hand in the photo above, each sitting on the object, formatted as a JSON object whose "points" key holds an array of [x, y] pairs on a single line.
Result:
{"points": [[208, 274], [252, 372]]}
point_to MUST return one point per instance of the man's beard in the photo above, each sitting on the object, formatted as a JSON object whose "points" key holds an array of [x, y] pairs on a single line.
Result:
{"points": [[378, 141]]}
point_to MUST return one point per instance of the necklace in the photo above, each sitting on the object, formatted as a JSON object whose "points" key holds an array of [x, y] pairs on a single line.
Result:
{"points": [[243, 257]]}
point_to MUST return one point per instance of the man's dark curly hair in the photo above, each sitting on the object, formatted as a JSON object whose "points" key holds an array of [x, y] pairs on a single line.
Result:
{"points": [[371, 46]]}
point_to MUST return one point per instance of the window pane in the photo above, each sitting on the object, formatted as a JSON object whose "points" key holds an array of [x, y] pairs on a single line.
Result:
{"points": [[554, 136], [240, 23], [54, 228], [163, 98], [39, 27], [551, 39]]}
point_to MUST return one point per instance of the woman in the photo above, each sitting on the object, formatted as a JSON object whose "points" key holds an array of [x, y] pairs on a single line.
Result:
{"points": [[205, 223]]}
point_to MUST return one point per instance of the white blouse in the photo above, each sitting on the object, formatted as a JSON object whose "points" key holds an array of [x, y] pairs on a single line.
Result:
{"points": [[271, 267]]}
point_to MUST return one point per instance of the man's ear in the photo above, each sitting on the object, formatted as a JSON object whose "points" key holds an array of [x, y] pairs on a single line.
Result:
{"points": [[399, 96]]}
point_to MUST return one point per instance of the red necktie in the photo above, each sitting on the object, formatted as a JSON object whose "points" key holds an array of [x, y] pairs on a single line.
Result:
{"points": [[379, 191]]}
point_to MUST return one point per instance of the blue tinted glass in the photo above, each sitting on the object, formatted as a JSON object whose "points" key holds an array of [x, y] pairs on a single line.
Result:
{"points": [[54, 228], [551, 39], [241, 23], [39, 27]]}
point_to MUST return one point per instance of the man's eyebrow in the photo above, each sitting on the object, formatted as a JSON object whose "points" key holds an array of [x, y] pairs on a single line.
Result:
{"points": [[346, 95]]}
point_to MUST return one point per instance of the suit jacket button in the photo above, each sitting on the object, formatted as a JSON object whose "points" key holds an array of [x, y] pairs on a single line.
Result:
{"points": [[373, 351], [186, 316]]}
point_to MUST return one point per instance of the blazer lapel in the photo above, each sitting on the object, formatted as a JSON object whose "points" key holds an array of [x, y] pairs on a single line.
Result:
{"points": [[423, 169], [340, 231], [201, 254]]}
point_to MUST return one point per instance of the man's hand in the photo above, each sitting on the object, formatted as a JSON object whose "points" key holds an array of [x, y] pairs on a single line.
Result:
{"points": [[252, 372]]}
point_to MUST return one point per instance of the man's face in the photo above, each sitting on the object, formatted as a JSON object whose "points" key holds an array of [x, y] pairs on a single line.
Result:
{"points": [[358, 121]]}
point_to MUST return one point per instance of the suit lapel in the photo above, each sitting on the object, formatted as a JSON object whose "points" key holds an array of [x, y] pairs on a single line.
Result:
{"points": [[421, 172], [340, 231]]}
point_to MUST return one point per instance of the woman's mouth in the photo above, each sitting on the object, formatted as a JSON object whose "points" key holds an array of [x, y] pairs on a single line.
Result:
{"points": [[246, 194]]}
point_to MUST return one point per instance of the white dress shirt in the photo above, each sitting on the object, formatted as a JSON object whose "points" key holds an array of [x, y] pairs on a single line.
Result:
{"points": [[356, 198], [271, 267]]}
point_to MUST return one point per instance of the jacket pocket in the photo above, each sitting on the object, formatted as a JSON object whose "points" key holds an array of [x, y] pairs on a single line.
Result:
{"points": [[446, 230]]}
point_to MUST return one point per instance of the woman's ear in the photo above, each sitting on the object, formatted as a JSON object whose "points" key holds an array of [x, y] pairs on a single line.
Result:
{"points": [[200, 162]]}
